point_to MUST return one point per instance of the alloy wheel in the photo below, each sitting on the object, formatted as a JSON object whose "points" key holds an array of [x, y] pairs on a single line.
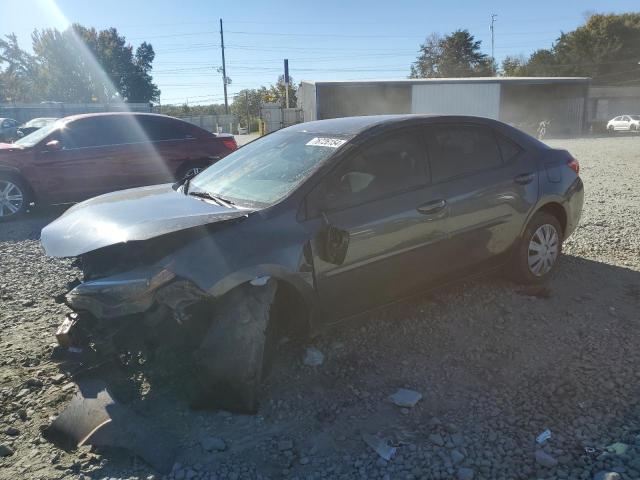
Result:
{"points": [[11, 198], [543, 250]]}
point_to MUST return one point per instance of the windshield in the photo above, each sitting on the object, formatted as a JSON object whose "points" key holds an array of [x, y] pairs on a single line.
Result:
{"points": [[34, 137], [39, 122], [266, 170]]}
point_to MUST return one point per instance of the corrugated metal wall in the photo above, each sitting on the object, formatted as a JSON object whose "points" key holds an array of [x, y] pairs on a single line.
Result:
{"points": [[482, 99], [307, 101], [348, 100]]}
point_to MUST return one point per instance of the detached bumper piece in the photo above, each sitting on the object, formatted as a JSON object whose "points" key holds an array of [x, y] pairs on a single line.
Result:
{"points": [[94, 418], [68, 333]]}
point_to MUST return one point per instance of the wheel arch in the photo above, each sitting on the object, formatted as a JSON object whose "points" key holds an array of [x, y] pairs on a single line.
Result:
{"points": [[557, 210], [294, 291], [553, 206]]}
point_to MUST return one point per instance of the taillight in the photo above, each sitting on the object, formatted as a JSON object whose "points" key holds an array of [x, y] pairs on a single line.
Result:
{"points": [[229, 142], [574, 165]]}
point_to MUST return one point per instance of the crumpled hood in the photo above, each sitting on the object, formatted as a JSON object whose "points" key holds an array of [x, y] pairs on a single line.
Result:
{"points": [[129, 215]]}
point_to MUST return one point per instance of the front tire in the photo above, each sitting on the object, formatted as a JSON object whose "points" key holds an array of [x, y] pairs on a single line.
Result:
{"points": [[537, 254], [233, 356], [14, 198]]}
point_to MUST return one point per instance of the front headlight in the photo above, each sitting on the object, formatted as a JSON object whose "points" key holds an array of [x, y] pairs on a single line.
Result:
{"points": [[119, 295]]}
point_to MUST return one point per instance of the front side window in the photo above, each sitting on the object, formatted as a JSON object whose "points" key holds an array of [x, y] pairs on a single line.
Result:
{"points": [[103, 131], [461, 150], [387, 166], [268, 169]]}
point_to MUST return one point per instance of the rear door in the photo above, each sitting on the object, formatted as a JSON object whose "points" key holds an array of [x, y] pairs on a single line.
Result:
{"points": [[490, 185], [625, 123], [386, 222], [171, 146]]}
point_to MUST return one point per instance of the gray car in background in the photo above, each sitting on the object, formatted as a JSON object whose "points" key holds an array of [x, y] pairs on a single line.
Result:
{"points": [[8, 129], [309, 225]]}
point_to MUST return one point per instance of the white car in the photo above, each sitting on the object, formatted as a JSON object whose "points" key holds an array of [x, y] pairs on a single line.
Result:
{"points": [[624, 123]]}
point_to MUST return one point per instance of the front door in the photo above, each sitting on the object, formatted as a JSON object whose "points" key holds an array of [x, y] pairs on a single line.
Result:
{"points": [[384, 222]]}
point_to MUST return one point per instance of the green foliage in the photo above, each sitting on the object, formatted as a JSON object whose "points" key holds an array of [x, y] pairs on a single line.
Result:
{"points": [[185, 110], [606, 48], [254, 97], [454, 55], [78, 64]]}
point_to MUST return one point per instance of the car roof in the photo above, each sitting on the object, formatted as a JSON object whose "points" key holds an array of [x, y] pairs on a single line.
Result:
{"points": [[72, 118], [355, 125]]}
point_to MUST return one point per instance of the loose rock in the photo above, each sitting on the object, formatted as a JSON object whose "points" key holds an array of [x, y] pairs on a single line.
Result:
{"points": [[313, 357]]}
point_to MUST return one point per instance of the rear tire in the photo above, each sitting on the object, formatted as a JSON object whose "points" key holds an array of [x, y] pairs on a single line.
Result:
{"points": [[233, 357], [15, 197], [538, 251]]}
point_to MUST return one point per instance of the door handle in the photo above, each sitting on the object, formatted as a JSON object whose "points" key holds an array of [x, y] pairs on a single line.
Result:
{"points": [[432, 207], [524, 178]]}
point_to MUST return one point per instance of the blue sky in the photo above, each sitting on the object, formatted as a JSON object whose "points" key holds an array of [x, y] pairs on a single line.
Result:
{"points": [[328, 39]]}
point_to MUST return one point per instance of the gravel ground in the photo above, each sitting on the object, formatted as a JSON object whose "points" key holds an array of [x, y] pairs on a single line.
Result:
{"points": [[495, 366]]}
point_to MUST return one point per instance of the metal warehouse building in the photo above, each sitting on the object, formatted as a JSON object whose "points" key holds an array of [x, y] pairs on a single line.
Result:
{"points": [[522, 101]]}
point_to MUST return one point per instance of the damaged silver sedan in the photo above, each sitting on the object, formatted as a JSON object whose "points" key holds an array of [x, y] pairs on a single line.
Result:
{"points": [[310, 225]]}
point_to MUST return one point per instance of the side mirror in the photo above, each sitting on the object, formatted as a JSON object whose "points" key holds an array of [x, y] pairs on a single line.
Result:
{"points": [[53, 146], [333, 243]]}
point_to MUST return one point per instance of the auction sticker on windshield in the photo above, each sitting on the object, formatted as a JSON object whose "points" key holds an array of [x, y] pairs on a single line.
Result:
{"points": [[326, 142]]}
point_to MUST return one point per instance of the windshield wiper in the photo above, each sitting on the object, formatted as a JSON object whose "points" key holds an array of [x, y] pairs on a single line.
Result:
{"points": [[209, 196]]}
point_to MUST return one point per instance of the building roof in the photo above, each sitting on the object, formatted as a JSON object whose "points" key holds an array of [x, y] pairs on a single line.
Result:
{"points": [[412, 81]]}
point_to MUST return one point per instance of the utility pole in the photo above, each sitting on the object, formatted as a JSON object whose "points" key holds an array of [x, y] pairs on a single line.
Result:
{"points": [[246, 96], [286, 82], [493, 57], [224, 71]]}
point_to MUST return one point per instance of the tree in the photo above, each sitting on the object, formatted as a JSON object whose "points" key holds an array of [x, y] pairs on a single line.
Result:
{"points": [[276, 93], [239, 105], [20, 77], [454, 55], [513, 65], [606, 48], [78, 64]]}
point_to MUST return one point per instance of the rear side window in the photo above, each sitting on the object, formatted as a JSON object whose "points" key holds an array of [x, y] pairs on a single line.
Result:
{"points": [[508, 148], [391, 165], [158, 129], [461, 150]]}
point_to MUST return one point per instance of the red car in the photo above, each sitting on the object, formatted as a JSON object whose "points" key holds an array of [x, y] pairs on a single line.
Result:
{"points": [[82, 156]]}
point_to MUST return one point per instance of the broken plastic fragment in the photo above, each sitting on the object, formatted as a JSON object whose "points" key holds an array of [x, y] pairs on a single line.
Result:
{"points": [[380, 446], [543, 437], [618, 448], [406, 398], [260, 281], [94, 418]]}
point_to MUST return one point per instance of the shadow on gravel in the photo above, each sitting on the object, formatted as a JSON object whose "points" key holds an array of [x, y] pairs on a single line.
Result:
{"points": [[488, 356]]}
